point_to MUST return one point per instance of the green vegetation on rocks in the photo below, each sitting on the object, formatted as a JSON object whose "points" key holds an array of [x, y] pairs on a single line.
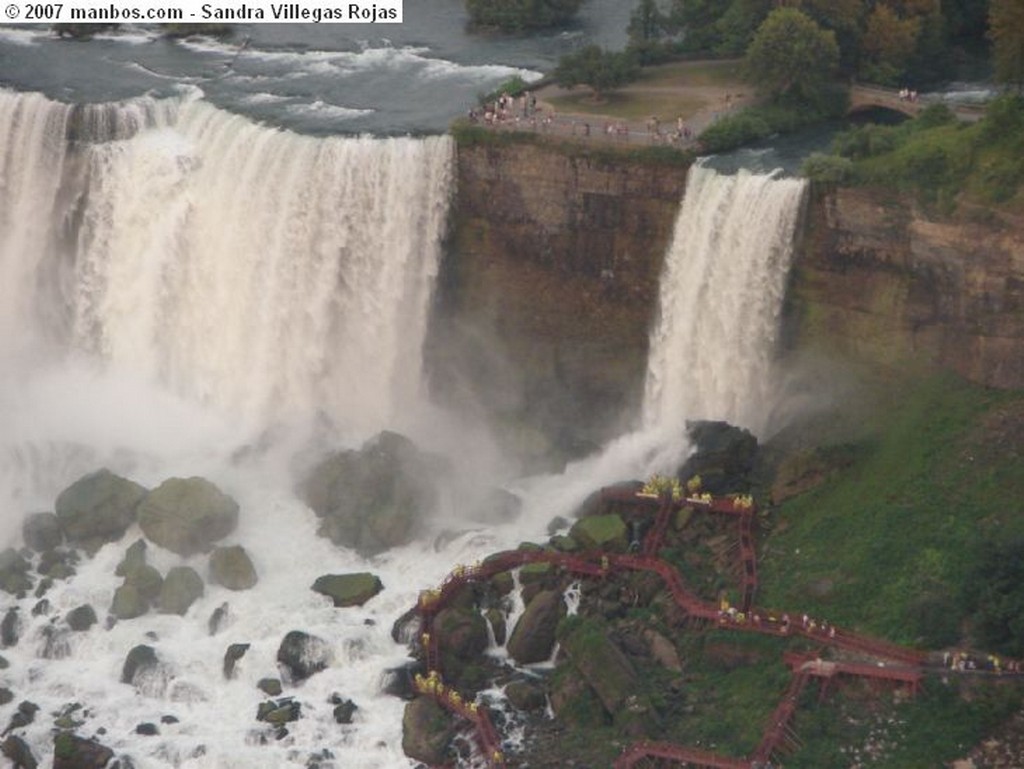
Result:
{"points": [[520, 15], [601, 532], [348, 589]]}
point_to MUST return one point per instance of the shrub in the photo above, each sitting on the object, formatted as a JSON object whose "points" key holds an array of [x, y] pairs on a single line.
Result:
{"points": [[827, 169]]}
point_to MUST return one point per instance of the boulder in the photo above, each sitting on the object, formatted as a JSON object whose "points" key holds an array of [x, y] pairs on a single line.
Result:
{"points": [[279, 712], [600, 662], [181, 588], [270, 686], [348, 589], [134, 559], [526, 695], [427, 732], [461, 633], [82, 618], [73, 752], [344, 709], [218, 619], [128, 602], [232, 568], [234, 653], [17, 750], [375, 498], [10, 628], [14, 569], [140, 659], [187, 515], [98, 507], [601, 532], [723, 458], [301, 655], [533, 638], [41, 531]]}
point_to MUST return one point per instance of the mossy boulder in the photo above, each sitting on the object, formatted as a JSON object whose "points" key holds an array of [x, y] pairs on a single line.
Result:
{"points": [[377, 497], [601, 663], [427, 732], [98, 507], [601, 532], [461, 632], [182, 587], [187, 515], [134, 559], [41, 532], [128, 602], [348, 589], [533, 638], [19, 753], [73, 752], [232, 568]]}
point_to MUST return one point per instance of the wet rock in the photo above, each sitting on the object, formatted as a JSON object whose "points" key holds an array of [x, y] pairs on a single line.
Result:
{"points": [[128, 602], [43, 587], [18, 752], [279, 712], [98, 507], [232, 568], [302, 655], [375, 498], [57, 563], [526, 695], [42, 608], [533, 638], [427, 732], [601, 532], [134, 559], [10, 628], [496, 619], [23, 716], [269, 686], [234, 653], [56, 642], [218, 618], [41, 532], [147, 729], [461, 633], [400, 682], [348, 589], [6, 695], [181, 588], [187, 515], [344, 709], [723, 458], [140, 659], [73, 752], [147, 580], [14, 569], [406, 627]]}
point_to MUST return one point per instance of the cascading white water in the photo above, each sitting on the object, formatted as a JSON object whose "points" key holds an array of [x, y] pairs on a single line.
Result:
{"points": [[713, 344], [263, 273]]}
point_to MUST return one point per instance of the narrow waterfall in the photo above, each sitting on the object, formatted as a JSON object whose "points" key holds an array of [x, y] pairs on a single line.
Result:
{"points": [[260, 272], [713, 343]]}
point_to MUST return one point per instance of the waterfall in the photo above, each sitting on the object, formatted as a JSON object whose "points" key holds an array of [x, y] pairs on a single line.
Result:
{"points": [[713, 343], [260, 272]]}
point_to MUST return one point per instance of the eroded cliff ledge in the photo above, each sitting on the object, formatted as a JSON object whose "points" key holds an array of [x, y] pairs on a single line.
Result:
{"points": [[878, 280], [549, 288]]}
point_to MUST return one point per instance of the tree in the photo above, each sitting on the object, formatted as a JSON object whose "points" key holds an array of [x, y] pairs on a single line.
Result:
{"points": [[521, 15], [889, 43], [791, 56], [600, 69], [1006, 28], [647, 25]]}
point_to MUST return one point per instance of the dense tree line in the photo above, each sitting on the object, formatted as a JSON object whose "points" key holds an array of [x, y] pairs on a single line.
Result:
{"points": [[520, 15], [887, 41]]}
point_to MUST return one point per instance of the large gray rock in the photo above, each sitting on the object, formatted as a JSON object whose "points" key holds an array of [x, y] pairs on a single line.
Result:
{"points": [[73, 752], [187, 515], [41, 531], [348, 589], [232, 568], [98, 507], [301, 655], [375, 498], [140, 659], [17, 750], [427, 732], [182, 587], [14, 569], [128, 602], [533, 639]]}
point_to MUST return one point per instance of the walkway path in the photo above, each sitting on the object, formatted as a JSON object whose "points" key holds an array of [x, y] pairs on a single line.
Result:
{"points": [[890, 662]]}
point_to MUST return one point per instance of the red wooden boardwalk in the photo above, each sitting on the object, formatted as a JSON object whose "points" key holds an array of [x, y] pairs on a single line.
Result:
{"points": [[890, 662]]}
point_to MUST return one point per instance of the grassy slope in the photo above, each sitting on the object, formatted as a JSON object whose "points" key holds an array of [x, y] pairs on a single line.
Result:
{"points": [[890, 537]]}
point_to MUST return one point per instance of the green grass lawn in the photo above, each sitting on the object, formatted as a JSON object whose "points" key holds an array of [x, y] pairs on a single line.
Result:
{"points": [[630, 105]]}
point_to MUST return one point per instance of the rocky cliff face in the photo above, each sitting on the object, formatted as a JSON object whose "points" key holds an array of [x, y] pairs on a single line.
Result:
{"points": [[878, 280], [549, 289]]}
